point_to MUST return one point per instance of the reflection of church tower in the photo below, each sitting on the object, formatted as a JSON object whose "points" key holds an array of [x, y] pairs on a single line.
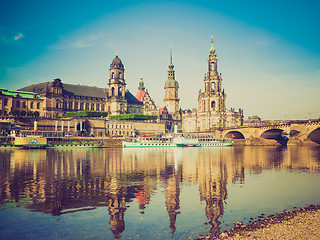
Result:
{"points": [[213, 190], [171, 100], [116, 90], [172, 198], [117, 207]]}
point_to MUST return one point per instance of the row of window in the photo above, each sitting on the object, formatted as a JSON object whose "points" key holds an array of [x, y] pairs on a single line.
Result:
{"points": [[120, 133], [80, 106], [24, 105], [119, 126]]}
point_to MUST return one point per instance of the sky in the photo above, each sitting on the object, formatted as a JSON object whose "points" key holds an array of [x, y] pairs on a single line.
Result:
{"points": [[268, 51]]}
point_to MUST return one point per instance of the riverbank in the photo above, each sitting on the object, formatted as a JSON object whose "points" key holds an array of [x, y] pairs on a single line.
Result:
{"points": [[302, 223]]}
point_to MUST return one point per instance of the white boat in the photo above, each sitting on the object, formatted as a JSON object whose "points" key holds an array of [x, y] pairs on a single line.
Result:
{"points": [[149, 142], [214, 142], [188, 141], [177, 141]]}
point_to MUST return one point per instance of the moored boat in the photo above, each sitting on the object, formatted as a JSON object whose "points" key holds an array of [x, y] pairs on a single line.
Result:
{"points": [[176, 141], [149, 142], [188, 141], [214, 142], [30, 142]]}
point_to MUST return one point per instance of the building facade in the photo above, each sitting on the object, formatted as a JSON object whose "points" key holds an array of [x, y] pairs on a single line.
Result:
{"points": [[212, 113], [143, 96], [59, 98], [20, 103]]}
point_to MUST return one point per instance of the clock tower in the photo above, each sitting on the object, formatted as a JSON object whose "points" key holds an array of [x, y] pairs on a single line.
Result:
{"points": [[171, 100]]}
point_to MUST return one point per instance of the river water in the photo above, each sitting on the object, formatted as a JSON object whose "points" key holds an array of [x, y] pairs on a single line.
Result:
{"points": [[158, 193]]}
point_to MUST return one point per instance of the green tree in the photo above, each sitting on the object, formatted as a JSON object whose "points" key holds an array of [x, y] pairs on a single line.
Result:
{"points": [[23, 113], [30, 114], [16, 112], [36, 114]]}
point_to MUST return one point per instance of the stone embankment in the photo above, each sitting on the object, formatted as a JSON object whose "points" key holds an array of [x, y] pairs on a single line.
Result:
{"points": [[112, 142], [303, 223]]}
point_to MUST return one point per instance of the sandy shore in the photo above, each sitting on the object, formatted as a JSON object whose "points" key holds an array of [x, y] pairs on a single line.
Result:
{"points": [[303, 223]]}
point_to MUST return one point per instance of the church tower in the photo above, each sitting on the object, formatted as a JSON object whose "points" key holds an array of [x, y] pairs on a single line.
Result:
{"points": [[171, 100], [117, 88], [212, 100]]}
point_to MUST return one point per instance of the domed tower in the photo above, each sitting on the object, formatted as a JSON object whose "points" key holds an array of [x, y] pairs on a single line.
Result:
{"points": [[171, 100], [213, 98], [117, 88]]}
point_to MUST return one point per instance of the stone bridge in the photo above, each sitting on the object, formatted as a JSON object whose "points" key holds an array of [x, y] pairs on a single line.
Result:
{"points": [[300, 131]]}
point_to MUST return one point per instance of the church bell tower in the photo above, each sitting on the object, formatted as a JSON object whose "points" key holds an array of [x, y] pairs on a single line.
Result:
{"points": [[213, 98], [171, 100], [117, 88]]}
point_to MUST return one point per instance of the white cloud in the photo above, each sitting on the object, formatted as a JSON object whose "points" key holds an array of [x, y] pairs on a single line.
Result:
{"points": [[80, 43], [18, 36], [73, 42]]}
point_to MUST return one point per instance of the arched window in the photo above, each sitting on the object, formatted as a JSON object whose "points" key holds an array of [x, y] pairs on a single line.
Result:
{"points": [[212, 66], [213, 105], [87, 106], [213, 87], [112, 92], [112, 75], [98, 107], [120, 92], [120, 75], [92, 106]]}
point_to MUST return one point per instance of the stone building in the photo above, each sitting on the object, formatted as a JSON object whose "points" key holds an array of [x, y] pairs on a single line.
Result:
{"points": [[14, 102], [143, 96], [212, 113], [59, 97]]}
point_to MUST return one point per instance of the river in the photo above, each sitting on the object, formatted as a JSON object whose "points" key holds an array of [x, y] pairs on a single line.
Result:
{"points": [[155, 193]]}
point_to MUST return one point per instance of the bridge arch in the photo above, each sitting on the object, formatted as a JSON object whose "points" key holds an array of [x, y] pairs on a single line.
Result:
{"points": [[277, 134], [272, 133], [314, 136], [234, 135]]}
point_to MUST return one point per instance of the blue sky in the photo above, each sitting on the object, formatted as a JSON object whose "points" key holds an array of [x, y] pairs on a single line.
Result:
{"points": [[268, 51]]}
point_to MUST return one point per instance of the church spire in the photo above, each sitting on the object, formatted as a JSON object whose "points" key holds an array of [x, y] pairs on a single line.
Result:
{"points": [[212, 49], [141, 85], [171, 65]]}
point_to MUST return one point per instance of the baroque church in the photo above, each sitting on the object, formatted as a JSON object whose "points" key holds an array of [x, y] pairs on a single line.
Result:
{"points": [[60, 98], [212, 112]]}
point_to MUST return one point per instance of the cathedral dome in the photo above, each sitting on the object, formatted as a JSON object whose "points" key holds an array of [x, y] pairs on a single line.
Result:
{"points": [[171, 83], [116, 63]]}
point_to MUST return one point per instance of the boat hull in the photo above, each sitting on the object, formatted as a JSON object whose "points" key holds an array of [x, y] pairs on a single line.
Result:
{"points": [[146, 145]]}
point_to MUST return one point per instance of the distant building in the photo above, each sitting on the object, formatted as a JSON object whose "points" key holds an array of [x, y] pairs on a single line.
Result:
{"points": [[59, 97], [170, 114], [143, 96], [212, 112], [15, 102]]}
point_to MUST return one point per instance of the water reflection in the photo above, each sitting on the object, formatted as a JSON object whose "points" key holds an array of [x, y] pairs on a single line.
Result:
{"points": [[60, 182]]}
